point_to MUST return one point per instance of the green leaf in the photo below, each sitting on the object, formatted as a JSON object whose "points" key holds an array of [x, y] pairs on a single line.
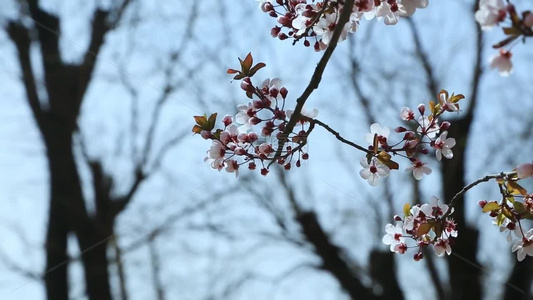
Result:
{"points": [[491, 206], [211, 121], [202, 121], [407, 209]]}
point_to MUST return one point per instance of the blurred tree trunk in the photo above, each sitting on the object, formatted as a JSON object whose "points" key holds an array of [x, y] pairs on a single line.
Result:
{"points": [[56, 117]]}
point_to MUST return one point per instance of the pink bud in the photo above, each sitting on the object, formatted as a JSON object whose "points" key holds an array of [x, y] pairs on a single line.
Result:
{"points": [[418, 256], [424, 151], [421, 108], [298, 163], [264, 171], [305, 156], [307, 43], [400, 129], [482, 203], [252, 165], [267, 6], [227, 120], [397, 218], [283, 91], [287, 166], [445, 125], [409, 136], [275, 31], [524, 170], [206, 134], [252, 137], [282, 36]]}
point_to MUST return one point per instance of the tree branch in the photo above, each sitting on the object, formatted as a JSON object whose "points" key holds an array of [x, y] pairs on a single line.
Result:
{"points": [[317, 76], [20, 37]]}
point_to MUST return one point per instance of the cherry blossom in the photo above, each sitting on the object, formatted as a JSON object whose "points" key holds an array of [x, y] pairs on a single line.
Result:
{"points": [[490, 13], [435, 209], [525, 246], [389, 13], [215, 155], [406, 8], [373, 171], [502, 62], [430, 128], [419, 169], [382, 132], [443, 146], [393, 236], [442, 246], [407, 114]]}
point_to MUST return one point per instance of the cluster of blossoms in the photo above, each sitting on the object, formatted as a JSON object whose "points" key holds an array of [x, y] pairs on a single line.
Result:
{"points": [[515, 205], [237, 144], [494, 12], [427, 224], [316, 21], [429, 133]]}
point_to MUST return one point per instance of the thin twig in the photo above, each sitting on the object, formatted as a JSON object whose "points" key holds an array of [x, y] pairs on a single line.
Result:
{"points": [[484, 179], [335, 133]]}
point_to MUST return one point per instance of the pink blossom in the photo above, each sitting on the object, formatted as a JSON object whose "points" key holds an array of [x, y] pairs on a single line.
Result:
{"points": [[524, 170], [502, 62], [419, 169], [443, 146], [373, 171], [490, 13]]}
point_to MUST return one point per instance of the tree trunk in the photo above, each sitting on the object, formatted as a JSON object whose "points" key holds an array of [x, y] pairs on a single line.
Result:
{"points": [[331, 257], [68, 213], [464, 269]]}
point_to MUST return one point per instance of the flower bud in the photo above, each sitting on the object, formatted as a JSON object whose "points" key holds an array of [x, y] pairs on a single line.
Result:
{"points": [[283, 91], [305, 156], [227, 120], [298, 163], [267, 7], [424, 151], [409, 136], [252, 165], [421, 108], [307, 43], [482, 203], [252, 137], [287, 166], [282, 36], [264, 171], [444, 125], [274, 32], [397, 218], [418, 256], [255, 120], [400, 129], [206, 134]]}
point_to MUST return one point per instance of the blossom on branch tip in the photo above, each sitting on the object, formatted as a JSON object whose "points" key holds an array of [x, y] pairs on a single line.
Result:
{"points": [[442, 246], [435, 209]]}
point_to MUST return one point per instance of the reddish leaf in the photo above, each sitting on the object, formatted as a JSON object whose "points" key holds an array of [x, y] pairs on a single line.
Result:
{"points": [[232, 71], [196, 129], [255, 69]]}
